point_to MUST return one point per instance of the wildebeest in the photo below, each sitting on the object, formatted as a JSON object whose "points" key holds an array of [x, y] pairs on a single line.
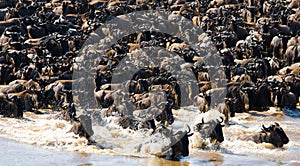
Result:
{"points": [[207, 129], [174, 145], [273, 134], [8, 107], [224, 108], [55, 94], [288, 99], [292, 54], [236, 98], [181, 147], [83, 126], [134, 123], [201, 103], [258, 96], [26, 100], [104, 98]]}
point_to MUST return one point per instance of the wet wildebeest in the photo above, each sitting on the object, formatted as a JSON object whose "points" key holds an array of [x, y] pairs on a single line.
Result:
{"points": [[273, 134], [166, 117], [181, 147], [174, 145], [8, 108], [236, 98], [201, 103], [211, 129], [135, 124], [67, 112], [224, 108], [259, 95], [26, 100], [83, 127]]}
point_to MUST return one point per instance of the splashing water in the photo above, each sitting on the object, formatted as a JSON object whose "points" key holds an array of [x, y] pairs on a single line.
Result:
{"points": [[118, 142]]}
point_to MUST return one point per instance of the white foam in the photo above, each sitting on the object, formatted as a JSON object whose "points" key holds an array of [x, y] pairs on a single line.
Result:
{"points": [[53, 134]]}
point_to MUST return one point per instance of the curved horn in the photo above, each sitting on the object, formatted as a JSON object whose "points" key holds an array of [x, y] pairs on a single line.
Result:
{"points": [[189, 128], [222, 119], [202, 121], [259, 21], [276, 124]]}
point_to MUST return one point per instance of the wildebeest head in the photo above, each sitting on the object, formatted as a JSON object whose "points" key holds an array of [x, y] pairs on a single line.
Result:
{"points": [[181, 147], [275, 135], [211, 129]]}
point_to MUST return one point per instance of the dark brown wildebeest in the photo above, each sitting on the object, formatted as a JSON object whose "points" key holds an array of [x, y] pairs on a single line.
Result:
{"points": [[211, 129], [104, 98], [292, 54], [35, 32], [224, 108], [8, 107], [56, 93], [27, 100], [181, 147], [288, 99], [273, 134], [259, 96], [237, 99]]}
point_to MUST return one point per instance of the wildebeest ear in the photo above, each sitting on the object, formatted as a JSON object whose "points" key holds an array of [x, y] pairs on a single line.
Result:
{"points": [[276, 124], [202, 121]]}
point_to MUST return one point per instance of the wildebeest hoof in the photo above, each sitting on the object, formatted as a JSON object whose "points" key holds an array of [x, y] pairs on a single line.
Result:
{"points": [[93, 142]]}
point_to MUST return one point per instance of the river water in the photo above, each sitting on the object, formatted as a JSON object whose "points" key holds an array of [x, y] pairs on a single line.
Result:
{"points": [[40, 140]]}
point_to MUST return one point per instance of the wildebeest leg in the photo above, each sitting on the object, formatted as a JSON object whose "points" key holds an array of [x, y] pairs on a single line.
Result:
{"points": [[10, 110], [20, 113], [72, 111], [230, 106], [170, 117], [152, 124]]}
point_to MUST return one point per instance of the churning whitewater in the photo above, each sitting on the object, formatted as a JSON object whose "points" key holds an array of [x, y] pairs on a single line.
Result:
{"points": [[112, 139]]}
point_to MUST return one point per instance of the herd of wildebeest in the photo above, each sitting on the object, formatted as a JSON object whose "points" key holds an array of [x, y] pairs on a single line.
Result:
{"points": [[257, 41]]}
